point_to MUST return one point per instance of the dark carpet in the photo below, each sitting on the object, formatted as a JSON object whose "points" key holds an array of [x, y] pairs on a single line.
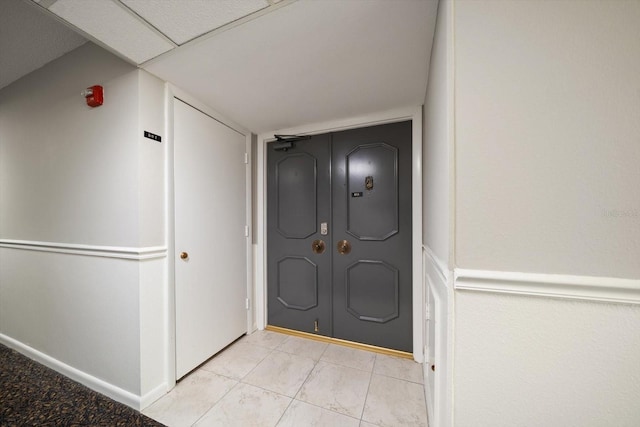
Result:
{"points": [[33, 395]]}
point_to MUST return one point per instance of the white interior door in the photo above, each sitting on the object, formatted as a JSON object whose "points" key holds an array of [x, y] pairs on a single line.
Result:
{"points": [[210, 219]]}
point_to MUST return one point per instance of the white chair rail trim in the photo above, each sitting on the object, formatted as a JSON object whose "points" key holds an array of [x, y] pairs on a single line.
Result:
{"points": [[143, 253], [605, 289]]}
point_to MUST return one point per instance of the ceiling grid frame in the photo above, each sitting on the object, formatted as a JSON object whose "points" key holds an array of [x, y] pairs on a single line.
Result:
{"points": [[183, 24], [291, 63]]}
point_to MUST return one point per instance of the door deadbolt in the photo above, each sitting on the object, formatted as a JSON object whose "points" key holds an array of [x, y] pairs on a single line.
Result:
{"points": [[318, 246], [324, 228], [344, 247], [184, 255]]}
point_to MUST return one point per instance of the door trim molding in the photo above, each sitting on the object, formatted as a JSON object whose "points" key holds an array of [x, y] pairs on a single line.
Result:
{"points": [[439, 281], [415, 115]]}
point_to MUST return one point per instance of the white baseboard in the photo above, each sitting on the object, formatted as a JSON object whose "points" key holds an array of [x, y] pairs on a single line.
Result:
{"points": [[96, 384], [153, 395]]}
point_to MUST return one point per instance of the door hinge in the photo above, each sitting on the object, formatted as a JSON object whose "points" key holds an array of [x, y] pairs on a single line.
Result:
{"points": [[246, 158], [247, 303], [246, 231]]}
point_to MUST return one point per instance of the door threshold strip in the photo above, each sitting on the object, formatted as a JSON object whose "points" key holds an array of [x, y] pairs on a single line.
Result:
{"points": [[338, 341]]}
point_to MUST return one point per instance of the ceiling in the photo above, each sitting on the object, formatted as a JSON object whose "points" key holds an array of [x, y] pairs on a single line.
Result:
{"points": [[265, 64], [29, 39]]}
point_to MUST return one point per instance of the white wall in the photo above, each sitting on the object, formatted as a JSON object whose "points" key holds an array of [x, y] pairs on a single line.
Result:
{"points": [[82, 270], [547, 136], [547, 109], [81, 311], [437, 139], [69, 171], [437, 218], [524, 361], [152, 229], [151, 160]]}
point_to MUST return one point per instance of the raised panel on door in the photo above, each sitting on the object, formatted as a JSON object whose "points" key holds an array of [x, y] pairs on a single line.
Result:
{"points": [[210, 216], [371, 172], [298, 200], [372, 282]]}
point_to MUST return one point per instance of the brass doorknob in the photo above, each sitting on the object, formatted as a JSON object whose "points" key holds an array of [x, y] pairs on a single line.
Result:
{"points": [[317, 246], [344, 247], [184, 255]]}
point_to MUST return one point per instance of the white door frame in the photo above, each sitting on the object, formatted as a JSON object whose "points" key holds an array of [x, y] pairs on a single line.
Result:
{"points": [[414, 114], [172, 92]]}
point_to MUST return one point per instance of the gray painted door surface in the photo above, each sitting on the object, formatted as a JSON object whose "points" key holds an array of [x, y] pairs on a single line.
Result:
{"points": [[298, 200], [359, 183]]}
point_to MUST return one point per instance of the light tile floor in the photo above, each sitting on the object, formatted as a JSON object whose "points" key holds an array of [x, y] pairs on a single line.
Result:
{"points": [[271, 379]]}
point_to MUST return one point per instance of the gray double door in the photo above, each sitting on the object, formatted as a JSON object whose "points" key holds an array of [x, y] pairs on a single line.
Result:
{"points": [[339, 235]]}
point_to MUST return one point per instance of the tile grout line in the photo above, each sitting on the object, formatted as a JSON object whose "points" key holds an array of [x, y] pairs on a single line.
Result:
{"points": [[292, 398], [271, 350], [397, 377], [315, 364], [350, 367], [326, 409], [212, 406], [238, 381], [318, 406], [285, 411], [366, 396], [316, 361]]}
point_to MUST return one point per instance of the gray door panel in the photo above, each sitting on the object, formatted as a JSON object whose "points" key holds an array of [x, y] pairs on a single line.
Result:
{"points": [[359, 182], [371, 214], [372, 283], [298, 279]]}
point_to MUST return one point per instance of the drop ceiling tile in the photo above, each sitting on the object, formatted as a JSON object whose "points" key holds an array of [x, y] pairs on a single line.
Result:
{"points": [[114, 26], [310, 62], [45, 3], [29, 38], [182, 20]]}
